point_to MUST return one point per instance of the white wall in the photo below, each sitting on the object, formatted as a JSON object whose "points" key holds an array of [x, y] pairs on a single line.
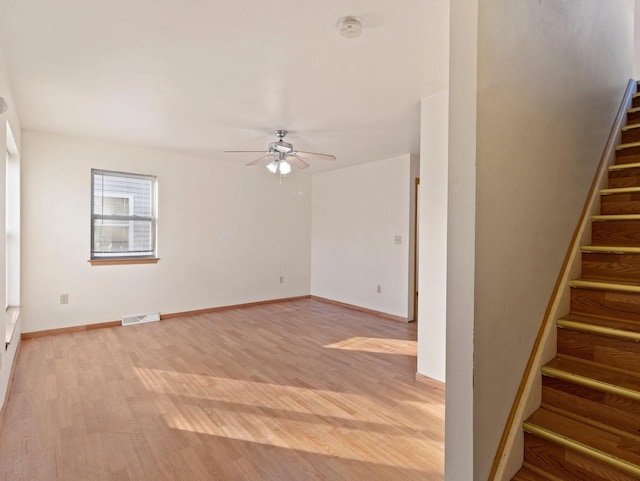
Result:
{"points": [[461, 214], [550, 78], [636, 40], [226, 234], [11, 116], [432, 303], [356, 214]]}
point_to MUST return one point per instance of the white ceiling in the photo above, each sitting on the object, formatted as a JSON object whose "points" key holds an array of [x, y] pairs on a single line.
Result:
{"points": [[202, 76]]}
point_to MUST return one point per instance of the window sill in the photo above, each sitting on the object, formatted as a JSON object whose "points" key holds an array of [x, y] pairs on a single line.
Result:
{"points": [[133, 260]]}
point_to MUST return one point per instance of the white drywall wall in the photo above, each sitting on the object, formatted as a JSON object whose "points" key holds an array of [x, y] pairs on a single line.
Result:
{"points": [[226, 233], [11, 116], [550, 78], [356, 214], [432, 286], [461, 212], [636, 40]]}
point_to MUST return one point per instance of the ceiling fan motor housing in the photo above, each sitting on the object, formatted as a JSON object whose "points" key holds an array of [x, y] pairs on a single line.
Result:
{"points": [[280, 146]]}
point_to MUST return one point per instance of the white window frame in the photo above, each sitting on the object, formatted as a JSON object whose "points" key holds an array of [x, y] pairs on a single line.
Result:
{"points": [[153, 219], [12, 236]]}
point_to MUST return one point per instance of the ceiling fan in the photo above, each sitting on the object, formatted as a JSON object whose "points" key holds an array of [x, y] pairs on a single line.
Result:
{"points": [[282, 155]]}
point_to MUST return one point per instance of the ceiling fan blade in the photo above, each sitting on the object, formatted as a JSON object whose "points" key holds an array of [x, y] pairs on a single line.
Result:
{"points": [[257, 161], [245, 151], [297, 161], [300, 153]]}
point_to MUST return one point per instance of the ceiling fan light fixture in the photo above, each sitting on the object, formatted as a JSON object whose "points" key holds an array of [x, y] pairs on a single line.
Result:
{"points": [[273, 166], [283, 156], [350, 27], [285, 167]]}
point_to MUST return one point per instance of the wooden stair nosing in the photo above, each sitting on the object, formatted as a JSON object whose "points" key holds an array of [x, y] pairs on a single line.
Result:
{"points": [[630, 145], [616, 167], [590, 382], [599, 330], [620, 190], [591, 318], [626, 128], [605, 286], [613, 322], [612, 249], [614, 217], [633, 110], [588, 451]]}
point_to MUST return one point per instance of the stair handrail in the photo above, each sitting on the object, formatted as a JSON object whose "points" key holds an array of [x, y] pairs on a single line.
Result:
{"points": [[560, 289]]}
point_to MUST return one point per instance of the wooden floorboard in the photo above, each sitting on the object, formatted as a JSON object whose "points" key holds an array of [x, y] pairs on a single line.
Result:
{"points": [[301, 390]]}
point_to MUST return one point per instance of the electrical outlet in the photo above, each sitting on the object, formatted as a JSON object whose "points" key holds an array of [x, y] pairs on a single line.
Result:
{"points": [[281, 279], [379, 288], [397, 239], [64, 298]]}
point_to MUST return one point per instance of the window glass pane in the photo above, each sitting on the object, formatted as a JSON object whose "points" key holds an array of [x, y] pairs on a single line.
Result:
{"points": [[134, 237], [118, 195], [115, 206]]}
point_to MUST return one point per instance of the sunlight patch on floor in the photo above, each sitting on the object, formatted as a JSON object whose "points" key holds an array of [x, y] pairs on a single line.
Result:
{"points": [[323, 439], [436, 410], [244, 410], [261, 394], [376, 344]]}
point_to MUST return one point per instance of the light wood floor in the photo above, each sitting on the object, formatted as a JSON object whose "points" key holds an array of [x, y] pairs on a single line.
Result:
{"points": [[299, 391]]}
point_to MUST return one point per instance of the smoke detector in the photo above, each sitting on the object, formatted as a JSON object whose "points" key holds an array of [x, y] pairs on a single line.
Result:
{"points": [[350, 27]]}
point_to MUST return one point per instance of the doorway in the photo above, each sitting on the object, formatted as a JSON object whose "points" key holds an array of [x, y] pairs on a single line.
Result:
{"points": [[416, 231]]}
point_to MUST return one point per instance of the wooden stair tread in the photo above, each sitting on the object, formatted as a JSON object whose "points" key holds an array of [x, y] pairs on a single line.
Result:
{"points": [[633, 110], [611, 323], [612, 249], [599, 377], [607, 327], [631, 126], [525, 474], [616, 450]]}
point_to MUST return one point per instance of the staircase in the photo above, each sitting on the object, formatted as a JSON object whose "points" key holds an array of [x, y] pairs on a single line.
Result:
{"points": [[588, 426]]}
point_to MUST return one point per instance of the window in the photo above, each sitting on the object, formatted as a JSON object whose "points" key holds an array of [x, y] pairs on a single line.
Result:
{"points": [[12, 236], [123, 216]]}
